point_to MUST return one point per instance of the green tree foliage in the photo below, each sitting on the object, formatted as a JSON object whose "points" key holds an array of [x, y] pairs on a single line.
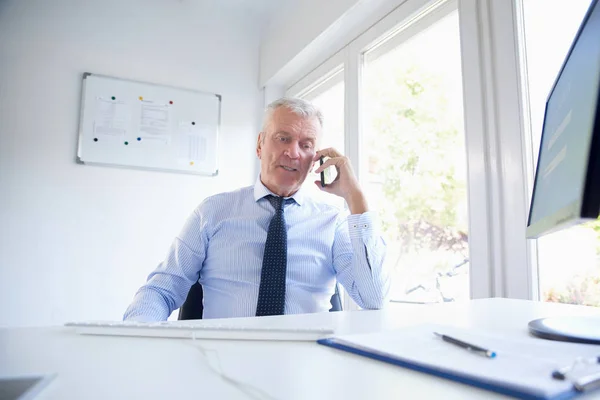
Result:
{"points": [[416, 151]]}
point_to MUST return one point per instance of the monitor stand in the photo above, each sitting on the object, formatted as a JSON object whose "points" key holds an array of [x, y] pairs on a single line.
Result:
{"points": [[568, 329]]}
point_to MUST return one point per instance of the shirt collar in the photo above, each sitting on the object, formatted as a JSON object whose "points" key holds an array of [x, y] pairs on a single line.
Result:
{"points": [[261, 191]]}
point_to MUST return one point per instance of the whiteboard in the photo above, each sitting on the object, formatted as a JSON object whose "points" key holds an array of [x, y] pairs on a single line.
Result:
{"points": [[140, 125]]}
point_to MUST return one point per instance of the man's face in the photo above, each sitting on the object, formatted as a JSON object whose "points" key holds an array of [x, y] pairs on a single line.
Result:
{"points": [[286, 150]]}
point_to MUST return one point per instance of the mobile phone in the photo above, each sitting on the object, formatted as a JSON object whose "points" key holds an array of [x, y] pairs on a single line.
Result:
{"points": [[325, 174], [322, 172]]}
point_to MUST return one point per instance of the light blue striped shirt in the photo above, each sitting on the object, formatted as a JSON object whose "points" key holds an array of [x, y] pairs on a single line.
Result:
{"points": [[222, 246]]}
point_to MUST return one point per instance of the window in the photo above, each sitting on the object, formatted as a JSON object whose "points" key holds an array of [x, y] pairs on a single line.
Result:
{"points": [[409, 137], [416, 159], [569, 260], [328, 95]]}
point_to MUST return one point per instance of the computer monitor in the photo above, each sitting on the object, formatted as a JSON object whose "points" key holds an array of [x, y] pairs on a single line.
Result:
{"points": [[567, 180]]}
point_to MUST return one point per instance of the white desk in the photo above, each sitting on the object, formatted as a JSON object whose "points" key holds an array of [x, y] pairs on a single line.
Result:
{"points": [[100, 367]]}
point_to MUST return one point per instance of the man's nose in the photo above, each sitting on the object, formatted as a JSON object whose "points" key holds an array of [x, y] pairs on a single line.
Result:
{"points": [[292, 151]]}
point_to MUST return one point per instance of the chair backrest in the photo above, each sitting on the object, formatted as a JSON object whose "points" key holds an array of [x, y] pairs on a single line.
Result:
{"points": [[192, 308], [336, 301]]}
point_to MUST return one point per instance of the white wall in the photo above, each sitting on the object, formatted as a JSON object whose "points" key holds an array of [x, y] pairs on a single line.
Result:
{"points": [[77, 241]]}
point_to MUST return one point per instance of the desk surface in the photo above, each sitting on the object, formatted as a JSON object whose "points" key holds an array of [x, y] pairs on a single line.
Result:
{"points": [[102, 367]]}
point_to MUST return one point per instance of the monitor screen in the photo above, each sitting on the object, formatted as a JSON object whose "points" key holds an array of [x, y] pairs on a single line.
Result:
{"points": [[566, 165]]}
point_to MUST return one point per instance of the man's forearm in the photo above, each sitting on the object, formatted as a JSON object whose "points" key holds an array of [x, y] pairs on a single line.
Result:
{"points": [[371, 278], [371, 281], [148, 305]]}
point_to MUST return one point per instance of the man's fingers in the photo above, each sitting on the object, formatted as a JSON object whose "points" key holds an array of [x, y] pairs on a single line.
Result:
{"points": [[328, 152], [332, 161]]}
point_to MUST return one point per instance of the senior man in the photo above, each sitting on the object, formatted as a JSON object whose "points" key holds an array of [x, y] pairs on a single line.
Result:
{"points": [[270, 249]]}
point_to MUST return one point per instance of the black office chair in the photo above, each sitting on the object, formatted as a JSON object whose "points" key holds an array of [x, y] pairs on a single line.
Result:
{"points": [[192, 308]]}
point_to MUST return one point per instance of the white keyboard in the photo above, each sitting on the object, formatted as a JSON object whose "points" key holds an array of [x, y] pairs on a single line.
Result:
{"points": [[200, 329]]}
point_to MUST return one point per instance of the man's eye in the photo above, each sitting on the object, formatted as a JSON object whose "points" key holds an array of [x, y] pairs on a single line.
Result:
{"points": [[308, 146], [282, 139]]}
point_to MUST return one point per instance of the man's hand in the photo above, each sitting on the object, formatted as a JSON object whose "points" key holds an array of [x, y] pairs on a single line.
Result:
{"points": [[345, 184]]}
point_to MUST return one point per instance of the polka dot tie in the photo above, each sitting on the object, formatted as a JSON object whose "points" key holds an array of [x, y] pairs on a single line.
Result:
{"points": [[271, 294]]}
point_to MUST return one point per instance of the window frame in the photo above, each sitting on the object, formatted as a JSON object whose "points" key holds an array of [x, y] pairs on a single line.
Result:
{"points": [[499, 167]]}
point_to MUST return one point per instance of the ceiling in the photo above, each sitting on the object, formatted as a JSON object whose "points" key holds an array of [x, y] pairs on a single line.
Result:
{"points": [[260, 12], [263, 10]]}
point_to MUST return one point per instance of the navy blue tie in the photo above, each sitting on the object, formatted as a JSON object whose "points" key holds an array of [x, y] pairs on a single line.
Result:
{"points": [[271, 294]]}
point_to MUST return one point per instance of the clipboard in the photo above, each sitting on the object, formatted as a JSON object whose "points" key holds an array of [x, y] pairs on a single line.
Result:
{"points": [[523, 368]]}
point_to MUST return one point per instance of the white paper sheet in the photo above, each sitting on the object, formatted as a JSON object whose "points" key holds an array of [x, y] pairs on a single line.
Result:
{"points": [[113, 118], [192, 142], [192, 148], [155, 122]]}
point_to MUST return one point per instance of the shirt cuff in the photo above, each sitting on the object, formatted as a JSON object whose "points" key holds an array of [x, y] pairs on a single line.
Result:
{"points": [[141, 318], [362, 225]]}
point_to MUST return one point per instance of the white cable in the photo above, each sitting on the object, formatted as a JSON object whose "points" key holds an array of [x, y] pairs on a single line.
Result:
{"points": [[246, 388]]}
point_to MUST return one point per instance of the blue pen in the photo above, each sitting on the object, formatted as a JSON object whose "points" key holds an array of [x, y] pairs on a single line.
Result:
{"points": [[467, 346]]}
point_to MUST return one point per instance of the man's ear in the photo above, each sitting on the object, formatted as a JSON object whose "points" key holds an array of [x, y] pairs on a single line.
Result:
{"points": [[259, 144]]}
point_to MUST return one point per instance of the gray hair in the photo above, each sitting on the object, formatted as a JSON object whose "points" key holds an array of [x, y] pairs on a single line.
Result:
{"points": [[298, 106]]}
